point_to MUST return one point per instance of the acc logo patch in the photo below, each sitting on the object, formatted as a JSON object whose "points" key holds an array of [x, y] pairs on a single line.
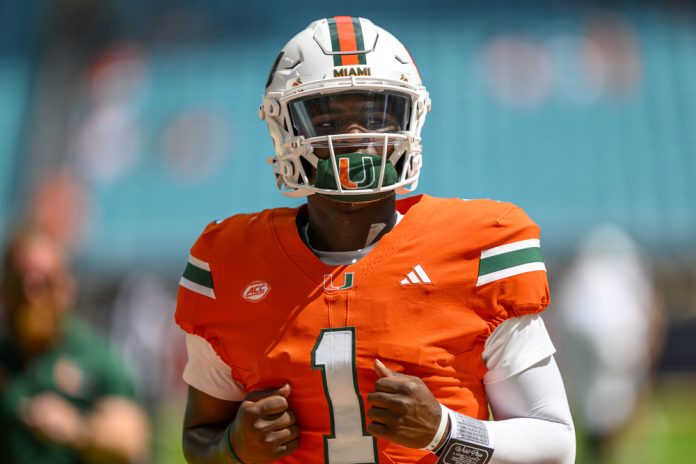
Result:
{"points": [[256, 291]]}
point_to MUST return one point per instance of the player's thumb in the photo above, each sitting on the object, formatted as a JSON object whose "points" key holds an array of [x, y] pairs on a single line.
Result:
{"points": [[382, 370], [285, 390]]}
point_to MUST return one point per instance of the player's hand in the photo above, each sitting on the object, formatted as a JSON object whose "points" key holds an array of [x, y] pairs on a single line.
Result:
{"points": [[403, 409], [264, 429]]}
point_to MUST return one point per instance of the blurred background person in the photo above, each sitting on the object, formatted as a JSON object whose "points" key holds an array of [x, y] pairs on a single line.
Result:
{"points": [[64, 396], [610, 327]]}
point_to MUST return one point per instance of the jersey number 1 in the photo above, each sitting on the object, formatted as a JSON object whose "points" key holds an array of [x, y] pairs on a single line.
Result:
{"points": [[349, 442]]}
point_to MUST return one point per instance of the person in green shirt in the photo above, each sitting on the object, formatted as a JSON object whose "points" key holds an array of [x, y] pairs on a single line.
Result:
{"points": [[64, 396]]}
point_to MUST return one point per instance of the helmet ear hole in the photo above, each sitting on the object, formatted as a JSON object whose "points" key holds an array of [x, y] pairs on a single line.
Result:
{"points": [[271, 107]]}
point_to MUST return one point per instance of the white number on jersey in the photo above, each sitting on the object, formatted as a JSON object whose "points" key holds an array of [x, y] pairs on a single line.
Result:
{"points": [[349, 442]]}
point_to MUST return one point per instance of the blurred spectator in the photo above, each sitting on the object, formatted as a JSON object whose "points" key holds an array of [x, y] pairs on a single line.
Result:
{"points": [[108, 143], [148, 338], [64, 398], [612, 55], [601, 62], [59, 207], [520, 70], [609, 327]]}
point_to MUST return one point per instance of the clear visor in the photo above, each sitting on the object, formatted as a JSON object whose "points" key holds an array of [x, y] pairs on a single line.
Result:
{"points": [[350, 112]]}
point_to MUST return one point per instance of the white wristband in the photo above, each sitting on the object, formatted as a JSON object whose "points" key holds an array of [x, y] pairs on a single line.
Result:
{"points": [[444, 418], [468, 441]]}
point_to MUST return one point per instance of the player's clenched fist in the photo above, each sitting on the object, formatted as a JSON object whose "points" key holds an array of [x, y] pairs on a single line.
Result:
{"points": [[264, 428], [403, 409]]}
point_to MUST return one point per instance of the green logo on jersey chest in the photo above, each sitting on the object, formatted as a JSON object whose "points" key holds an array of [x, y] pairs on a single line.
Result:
{"points": [[347, 282]]}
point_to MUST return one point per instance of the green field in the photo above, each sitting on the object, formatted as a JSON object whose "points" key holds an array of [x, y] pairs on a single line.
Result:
{"points": [[663, 429]]}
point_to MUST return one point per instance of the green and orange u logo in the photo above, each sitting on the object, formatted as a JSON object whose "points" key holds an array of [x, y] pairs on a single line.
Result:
{"points": [[347, 282], [367, 169]]}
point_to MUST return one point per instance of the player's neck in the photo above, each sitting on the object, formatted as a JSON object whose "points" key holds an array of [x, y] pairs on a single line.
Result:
{"points": [[343, 226]]}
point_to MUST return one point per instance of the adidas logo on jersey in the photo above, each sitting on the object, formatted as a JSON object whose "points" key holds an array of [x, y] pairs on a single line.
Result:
{"points": [[417, 276]]}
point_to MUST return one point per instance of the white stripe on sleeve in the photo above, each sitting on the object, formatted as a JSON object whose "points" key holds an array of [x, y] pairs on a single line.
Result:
{"points": [[197, 288]]}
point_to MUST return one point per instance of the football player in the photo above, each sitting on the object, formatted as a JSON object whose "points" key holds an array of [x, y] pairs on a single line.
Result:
{"points": [[359, 328]]}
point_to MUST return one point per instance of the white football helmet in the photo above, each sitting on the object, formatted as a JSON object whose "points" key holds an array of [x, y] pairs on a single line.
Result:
{"points": [[330, 64]]}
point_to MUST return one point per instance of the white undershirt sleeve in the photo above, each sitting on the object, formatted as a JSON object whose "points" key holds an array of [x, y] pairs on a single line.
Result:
{"points": [[532, 418], [205, 371], [526, 394], [515, 345]]}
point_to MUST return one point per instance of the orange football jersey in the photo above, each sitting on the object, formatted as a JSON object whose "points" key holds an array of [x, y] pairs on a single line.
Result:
{"points": [[423, 301]]}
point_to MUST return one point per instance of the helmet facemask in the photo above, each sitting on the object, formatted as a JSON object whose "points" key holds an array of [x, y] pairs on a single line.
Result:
{"points": [[352, 144]]}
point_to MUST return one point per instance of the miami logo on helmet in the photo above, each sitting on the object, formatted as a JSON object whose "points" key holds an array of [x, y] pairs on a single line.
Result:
{"points": [[367, 169]]}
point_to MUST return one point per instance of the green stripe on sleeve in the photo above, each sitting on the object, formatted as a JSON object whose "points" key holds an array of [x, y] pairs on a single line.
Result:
{"points": [[198, 275], [511, 259]]}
